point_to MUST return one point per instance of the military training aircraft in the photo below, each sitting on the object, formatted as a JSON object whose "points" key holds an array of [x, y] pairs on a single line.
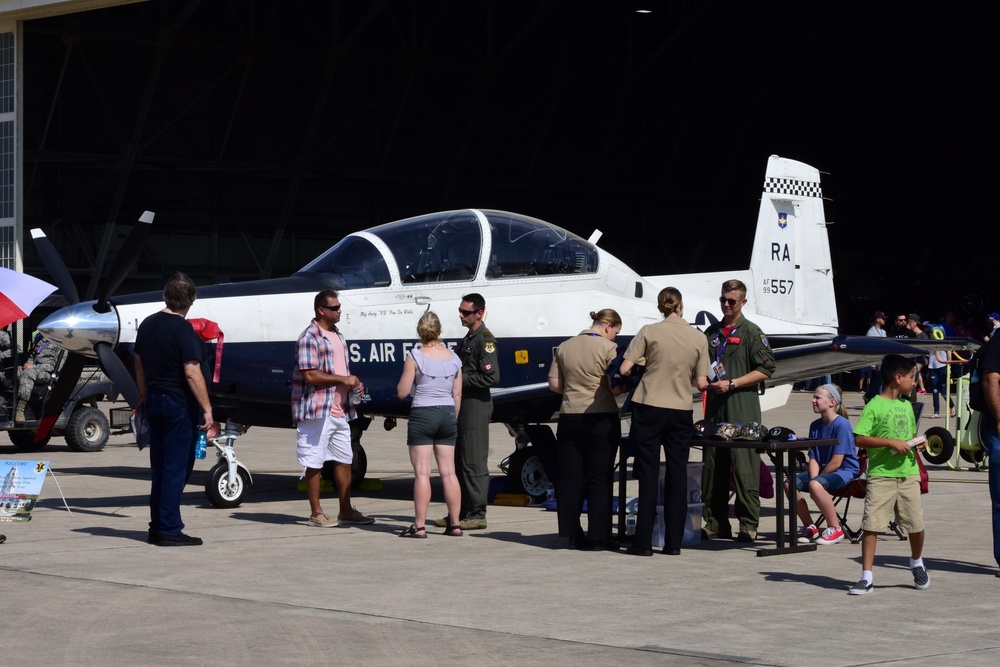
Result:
{"points": [[540, 282]]}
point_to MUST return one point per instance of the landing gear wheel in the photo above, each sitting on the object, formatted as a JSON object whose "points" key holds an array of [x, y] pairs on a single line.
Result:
{"points": [[218, 489], [24, 441], [525, 474], [87, 430], [359, 467], [974, 456], [940, 445]]}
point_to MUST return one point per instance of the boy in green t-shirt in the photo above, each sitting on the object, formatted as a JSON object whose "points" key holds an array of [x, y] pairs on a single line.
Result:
{"points": [[886, 429]]}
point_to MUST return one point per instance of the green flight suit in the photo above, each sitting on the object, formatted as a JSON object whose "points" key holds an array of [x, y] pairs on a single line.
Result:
{"points": [[744, 350], [480, 371]]}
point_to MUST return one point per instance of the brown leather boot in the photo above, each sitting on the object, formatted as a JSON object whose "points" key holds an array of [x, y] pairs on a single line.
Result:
{"points": [[19, 413]]}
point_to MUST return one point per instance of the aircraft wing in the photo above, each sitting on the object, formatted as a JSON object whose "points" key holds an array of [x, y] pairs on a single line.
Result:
{"points": [[799, 358], [536, 402], [803, 357]]}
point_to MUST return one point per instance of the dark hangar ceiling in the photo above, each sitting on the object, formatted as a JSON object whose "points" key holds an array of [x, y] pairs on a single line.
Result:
{"points": [[261, 131]]}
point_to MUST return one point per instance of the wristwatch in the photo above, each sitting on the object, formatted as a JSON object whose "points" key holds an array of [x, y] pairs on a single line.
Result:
{"points": [[732, 386]]}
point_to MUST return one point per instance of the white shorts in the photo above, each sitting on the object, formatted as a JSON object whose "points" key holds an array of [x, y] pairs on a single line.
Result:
{"points": [[322, 440]]}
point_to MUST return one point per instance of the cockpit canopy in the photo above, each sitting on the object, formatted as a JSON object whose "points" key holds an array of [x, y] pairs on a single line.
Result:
{"points": [[450, 246]]}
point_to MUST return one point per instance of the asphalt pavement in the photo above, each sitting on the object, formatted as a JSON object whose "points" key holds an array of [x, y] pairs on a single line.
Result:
{"points": [[82, 587]]}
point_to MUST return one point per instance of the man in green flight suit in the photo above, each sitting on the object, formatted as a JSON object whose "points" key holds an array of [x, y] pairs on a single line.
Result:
{"points": [[480, 371], [741, 359]]}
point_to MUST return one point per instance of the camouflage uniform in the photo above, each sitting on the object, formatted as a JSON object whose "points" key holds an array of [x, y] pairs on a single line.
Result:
{"points": [[5, 385], [38, 370]]}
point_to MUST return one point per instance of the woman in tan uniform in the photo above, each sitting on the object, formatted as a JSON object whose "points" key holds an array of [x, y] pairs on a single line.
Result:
{"points": [[676, 358], [588, 432]]}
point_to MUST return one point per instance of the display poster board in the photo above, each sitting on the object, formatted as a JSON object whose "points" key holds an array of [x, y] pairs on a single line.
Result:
{"points": [[20, 485]]}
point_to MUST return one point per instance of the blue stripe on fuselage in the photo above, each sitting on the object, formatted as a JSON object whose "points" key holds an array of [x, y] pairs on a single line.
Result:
{"points": [[261, 373]]}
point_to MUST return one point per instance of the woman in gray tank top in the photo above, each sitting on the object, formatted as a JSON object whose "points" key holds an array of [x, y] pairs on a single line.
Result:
{"points": [[432, 374]]}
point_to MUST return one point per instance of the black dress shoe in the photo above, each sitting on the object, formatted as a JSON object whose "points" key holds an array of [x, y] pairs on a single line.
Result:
{"points": [[580, 542], [152, 537], [671, 552], [608, 545], [178, 540], [633, 551]]}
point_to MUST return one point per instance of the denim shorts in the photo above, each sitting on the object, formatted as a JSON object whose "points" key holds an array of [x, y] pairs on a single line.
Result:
{"points": [[832, 482]]}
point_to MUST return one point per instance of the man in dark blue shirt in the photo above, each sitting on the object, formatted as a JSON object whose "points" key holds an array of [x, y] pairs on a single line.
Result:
{"points": [[168, 369]]}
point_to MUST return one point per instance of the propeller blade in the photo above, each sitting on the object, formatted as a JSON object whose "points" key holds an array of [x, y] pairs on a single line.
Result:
{"points": [[56, 267], [115, 369], [125, 260], [69, 375]]}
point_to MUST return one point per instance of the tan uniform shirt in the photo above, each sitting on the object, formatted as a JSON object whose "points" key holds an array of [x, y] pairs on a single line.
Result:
{"points": [[581, 363], [674, 353]]}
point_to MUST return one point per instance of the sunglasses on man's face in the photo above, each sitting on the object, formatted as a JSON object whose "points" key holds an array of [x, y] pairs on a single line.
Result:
{"points": [[467, 313], [730, 302], [333, 308]]}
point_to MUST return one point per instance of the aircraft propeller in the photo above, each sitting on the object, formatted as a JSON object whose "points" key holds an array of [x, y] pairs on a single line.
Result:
{"points": [[109, 362]]}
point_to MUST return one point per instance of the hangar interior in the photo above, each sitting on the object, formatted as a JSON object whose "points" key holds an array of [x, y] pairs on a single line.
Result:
{"points": [[262, 131]]}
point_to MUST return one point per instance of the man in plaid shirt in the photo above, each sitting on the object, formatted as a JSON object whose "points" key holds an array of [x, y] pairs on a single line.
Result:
{"points": [[321, 410]]}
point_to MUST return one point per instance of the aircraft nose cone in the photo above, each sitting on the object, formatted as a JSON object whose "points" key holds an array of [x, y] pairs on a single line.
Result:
{"points": [[78, 328]]}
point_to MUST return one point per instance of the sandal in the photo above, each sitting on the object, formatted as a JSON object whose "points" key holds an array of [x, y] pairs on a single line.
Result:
{"points": [[454, 531], [415, 531]]}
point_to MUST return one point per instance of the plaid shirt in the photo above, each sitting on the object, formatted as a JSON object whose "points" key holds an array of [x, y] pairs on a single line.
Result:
{"points": [[313, 350]]}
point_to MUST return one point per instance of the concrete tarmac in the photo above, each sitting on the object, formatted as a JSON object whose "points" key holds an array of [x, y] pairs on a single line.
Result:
{"points": [[82, 587]]}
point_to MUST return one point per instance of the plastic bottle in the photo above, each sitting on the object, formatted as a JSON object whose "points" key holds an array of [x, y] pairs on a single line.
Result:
{"points": [[630, 515], [630, 524], [550, 492], [200, 445], [355, 396]]}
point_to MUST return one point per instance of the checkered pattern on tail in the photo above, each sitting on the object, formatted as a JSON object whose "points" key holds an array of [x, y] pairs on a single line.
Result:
{"points": [[792, 186]]}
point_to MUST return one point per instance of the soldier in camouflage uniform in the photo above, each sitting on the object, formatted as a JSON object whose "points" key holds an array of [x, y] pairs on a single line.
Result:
{"points": [[37, 370], [5, 385]]}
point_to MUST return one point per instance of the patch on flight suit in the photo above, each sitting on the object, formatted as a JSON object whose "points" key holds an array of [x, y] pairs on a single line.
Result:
{"points": [[763, 339], [490, 347]]}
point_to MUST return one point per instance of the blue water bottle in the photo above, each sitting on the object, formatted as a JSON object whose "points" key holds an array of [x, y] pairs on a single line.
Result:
{"points": [[200, 445]]}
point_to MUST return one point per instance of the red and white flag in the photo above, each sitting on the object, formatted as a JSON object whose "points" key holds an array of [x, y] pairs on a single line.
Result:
{"points": [[20, 294]]}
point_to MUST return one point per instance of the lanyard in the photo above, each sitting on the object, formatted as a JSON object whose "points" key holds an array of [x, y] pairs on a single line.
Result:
{"points": [[725, 341]]}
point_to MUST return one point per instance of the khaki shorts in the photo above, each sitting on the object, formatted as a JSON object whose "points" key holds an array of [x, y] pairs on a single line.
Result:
{"points": [[893, 497]]}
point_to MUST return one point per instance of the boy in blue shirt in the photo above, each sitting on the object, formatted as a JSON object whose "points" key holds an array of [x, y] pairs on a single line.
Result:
{"points": [[886, 428]]}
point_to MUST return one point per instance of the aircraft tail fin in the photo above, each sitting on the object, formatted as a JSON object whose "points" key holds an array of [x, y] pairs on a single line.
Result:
{"points": [[790, 267]]}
